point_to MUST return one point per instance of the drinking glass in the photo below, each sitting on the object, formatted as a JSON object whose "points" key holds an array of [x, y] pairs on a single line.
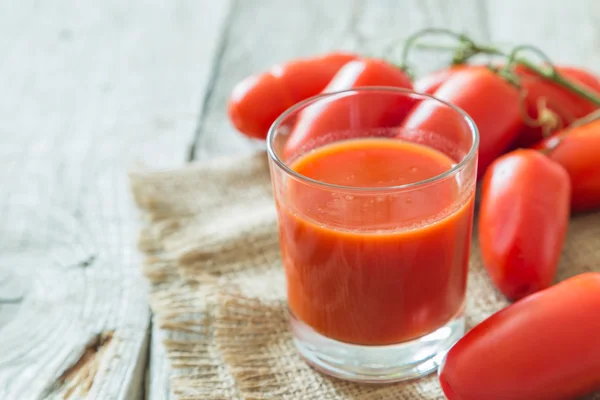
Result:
{"points": [[374, 189]]}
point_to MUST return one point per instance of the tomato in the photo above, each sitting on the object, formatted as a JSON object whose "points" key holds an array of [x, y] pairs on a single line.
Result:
{"points": [[523, 218], [431, 82], [488, 99], [566, 105], [543, 347], [578, 151], [352, 112], [258, 100]]}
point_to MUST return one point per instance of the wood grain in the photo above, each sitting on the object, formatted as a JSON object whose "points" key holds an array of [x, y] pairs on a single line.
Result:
{"points": [[88, 88]]}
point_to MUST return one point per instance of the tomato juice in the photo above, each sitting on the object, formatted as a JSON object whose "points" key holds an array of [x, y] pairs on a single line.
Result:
{"points": [[366, 261]]}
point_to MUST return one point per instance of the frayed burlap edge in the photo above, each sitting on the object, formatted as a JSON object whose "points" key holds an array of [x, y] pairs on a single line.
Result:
{"points": [[184, 312]]}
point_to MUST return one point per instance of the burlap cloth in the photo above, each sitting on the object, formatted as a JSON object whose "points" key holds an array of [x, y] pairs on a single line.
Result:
{"points": [[218, 289]]}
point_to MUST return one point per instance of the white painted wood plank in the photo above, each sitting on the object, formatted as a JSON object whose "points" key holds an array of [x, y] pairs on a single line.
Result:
{"points": [[569, 32], [158, 387], [87, 88]]}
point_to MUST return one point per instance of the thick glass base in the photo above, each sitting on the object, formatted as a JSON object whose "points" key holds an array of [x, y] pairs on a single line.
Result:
{"points": [[376, 364]]}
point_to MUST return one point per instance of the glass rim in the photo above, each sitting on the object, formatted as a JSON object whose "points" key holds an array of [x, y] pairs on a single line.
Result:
{"points": [[302, 104]]}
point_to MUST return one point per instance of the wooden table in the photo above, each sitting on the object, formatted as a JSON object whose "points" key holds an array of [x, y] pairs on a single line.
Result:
{"points": [[88, 88]]}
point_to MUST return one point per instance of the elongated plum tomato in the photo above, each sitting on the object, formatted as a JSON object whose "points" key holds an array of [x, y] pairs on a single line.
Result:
{"points": [[567, 106], [578, 151], [543, 347], [488, 99], [258, 100], [352, 111], [523, 218]]}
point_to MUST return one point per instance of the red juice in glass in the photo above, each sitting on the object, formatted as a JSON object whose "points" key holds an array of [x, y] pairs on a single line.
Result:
{"points": [[375, 229]]}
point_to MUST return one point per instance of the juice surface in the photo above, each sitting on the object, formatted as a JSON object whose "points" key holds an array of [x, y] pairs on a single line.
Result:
{"points": [[376, 267]]}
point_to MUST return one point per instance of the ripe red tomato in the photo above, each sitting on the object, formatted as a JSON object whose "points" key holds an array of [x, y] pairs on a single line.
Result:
{"points": [[543, 347], [566, 105], [488, 99], [352, 112], [431, 82], [578, 151], [523, 218], [258, 100]]}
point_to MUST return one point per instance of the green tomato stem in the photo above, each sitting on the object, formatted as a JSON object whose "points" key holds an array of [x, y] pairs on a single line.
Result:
{"points": [[552, 75], [467, 49], [591, 117]]}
